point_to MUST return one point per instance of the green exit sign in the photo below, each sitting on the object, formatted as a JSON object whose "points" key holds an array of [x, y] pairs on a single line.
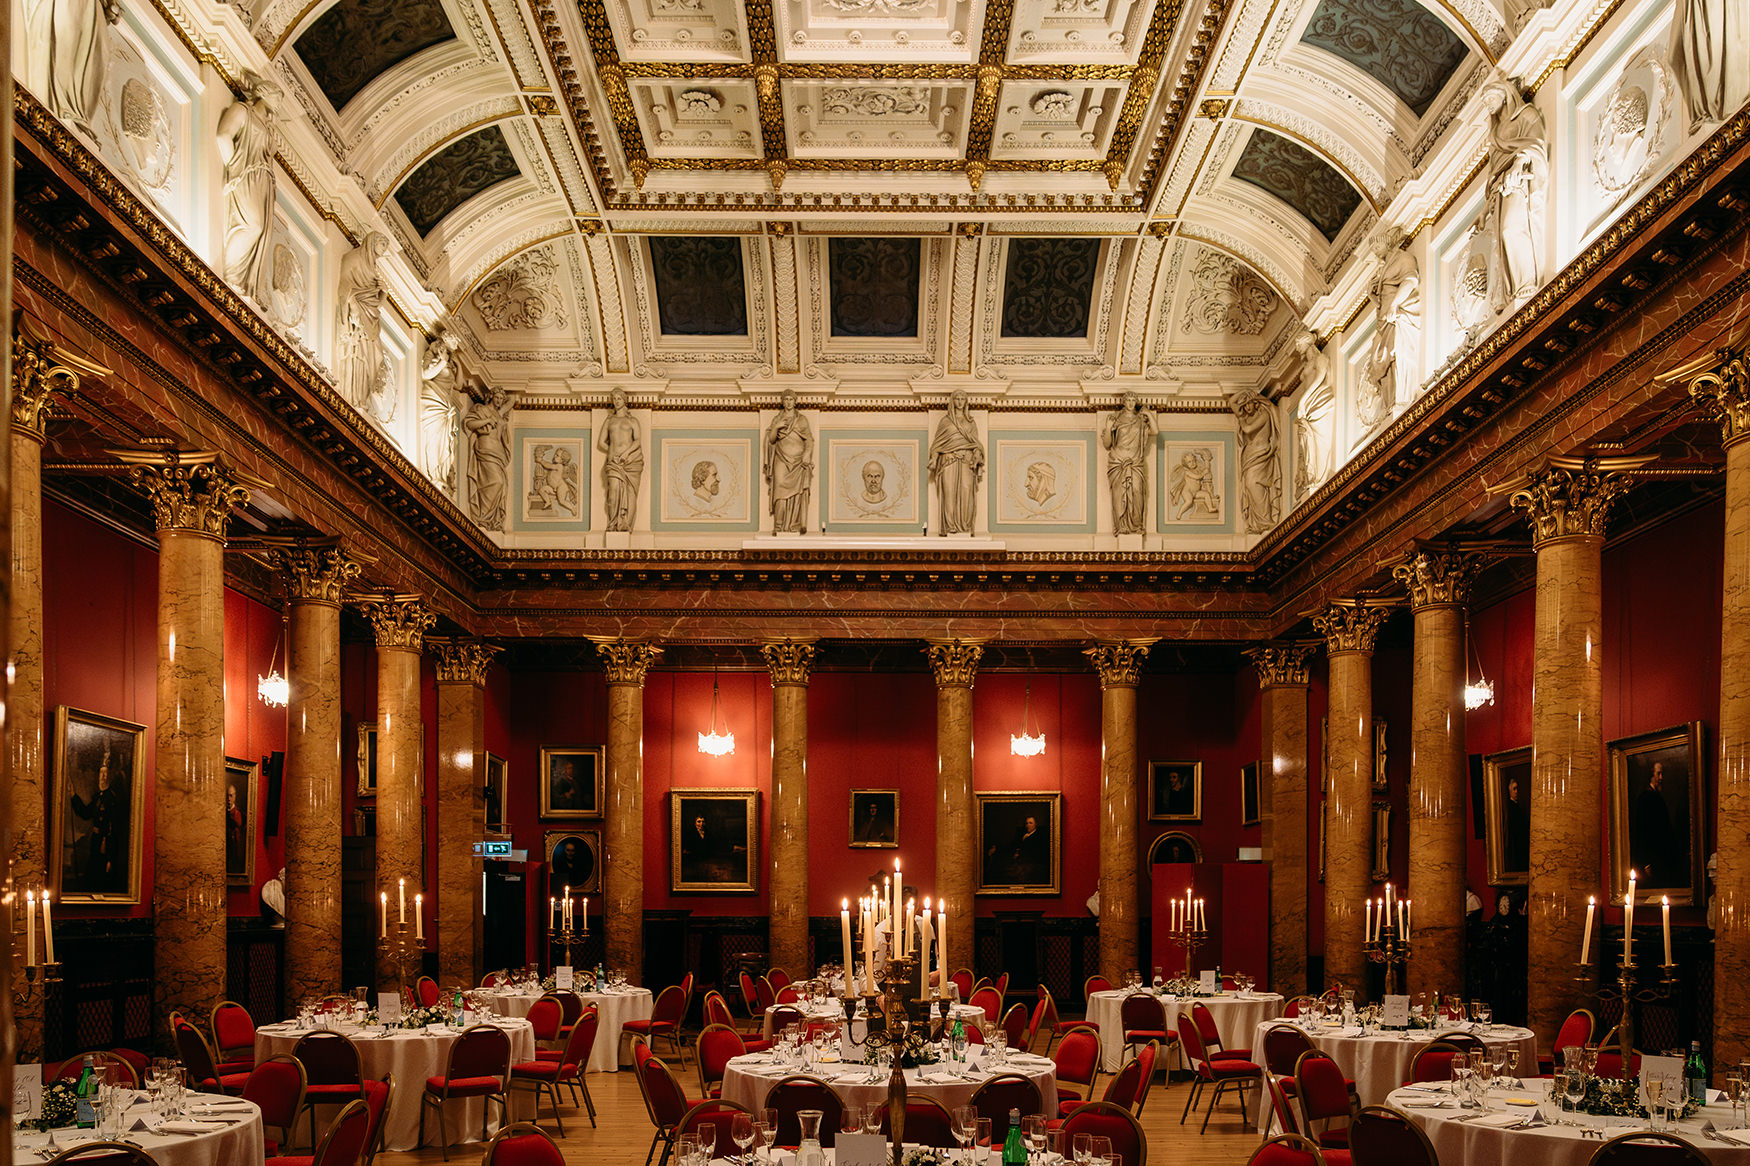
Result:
{"points": [[492, 850]]}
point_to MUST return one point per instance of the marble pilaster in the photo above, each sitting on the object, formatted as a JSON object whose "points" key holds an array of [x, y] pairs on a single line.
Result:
{"points": [[316, 577], [1119, 664], [1350, 629], [191, 495], [399, 623], [625, 663], [1568, 502], [461, 806], [1438, 580], [955, 665], [1283, 684], [789, 663]]}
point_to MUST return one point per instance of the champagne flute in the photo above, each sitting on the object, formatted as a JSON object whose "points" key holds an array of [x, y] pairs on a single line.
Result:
{"points": [[965, 1118], [768, 1130], [741, 1133], [1033, 1134], [1735, 1091]]}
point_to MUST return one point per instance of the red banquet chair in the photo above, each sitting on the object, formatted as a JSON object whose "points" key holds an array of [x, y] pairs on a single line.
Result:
{"points": [[1380, 1133], [718, 1114], [1143, 1018], [664, 1020], [1223, 1073], [716, 1046], [545, 1075], [478, 1065], [793, 1094], [71, 1068], [332, 1071], [343, 1143], [1324, 1096], [1642, 1148], [1577, 1029], [990, 1000], [523, 1144], [233, 1037], [664, 1099], [198, 1061], [105, 1154], [1206, 1028], [277, 1086], [1433, 1062], [1095, 983], [1014, 1026], [779, 978], [1078, 1063], [1045, 1018], [962, 980], [1102, 1119], [545, 1016], [997, 1096], [425, 992], [378, 1095], [927, 1122], [1287, 1150]]}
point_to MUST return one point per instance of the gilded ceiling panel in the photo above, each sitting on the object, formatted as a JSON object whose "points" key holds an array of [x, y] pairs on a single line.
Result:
{"points": [[1299, 178], [454, 175], [700, 288], [1398, 42], [358, 40], [874, 285]]}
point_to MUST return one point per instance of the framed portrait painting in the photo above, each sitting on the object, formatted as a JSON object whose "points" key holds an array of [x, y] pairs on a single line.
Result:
{"points": [[574, 859], [367, 760], [1656, 815], [1175, 846], [99, 803], [242, 821], [875, 818], [571, 781], [1175, 791], [494, 793], [1018, 846], [714, 837], [1507, 817], [1251, 803]]}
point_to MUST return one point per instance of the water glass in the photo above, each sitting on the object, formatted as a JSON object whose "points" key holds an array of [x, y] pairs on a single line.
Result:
{"points": [[1099, 1150], [981, 1139], [1080, 1147], [999, 1047], [850, 1118], [1655, 1088]]}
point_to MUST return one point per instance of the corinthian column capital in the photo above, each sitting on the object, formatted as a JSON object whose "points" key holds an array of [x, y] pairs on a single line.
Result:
{"points": [[1570, 497], [789, 661], [40, 369], [191, 492], [316, 572], [1352, 625], [399, 621], [1282, 665], [1438, 576], [461, 660], [955, 662], [1119, 662], [1723, 392], [625, 661]]}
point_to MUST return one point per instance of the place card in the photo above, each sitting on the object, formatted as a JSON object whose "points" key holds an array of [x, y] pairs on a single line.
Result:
{"points": [[1206, 983], [562, 978], [1670, 1068], [861, 1150], [1395, 1012], [388, 1007]]}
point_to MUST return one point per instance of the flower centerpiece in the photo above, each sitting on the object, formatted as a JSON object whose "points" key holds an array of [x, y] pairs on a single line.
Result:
{"points": [[1608, 1097], [924, 1156], [917, 1049], [420, 1017], [59, 1107]]}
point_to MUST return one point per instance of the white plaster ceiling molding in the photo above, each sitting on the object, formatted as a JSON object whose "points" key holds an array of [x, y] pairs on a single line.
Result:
{"points": [[679, 30], [868, 118], [1087, 32], [685, 118], [1041, 120], [935, 31]]}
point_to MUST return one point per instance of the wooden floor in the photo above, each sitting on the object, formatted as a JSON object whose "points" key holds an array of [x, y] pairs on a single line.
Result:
{"points": [[623, 1134]]}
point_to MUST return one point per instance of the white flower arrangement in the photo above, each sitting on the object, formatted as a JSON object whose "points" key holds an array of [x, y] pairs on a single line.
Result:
{"points": [[925, 1156]]}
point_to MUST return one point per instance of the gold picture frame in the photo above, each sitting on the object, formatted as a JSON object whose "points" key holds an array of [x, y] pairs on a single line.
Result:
{"points": [[367, 761], [1175, 846], [571, 781], [1507, 817], [1175, 791], [88, 862], [1381, 779], [714, 841], [1658, 821], [581, 869], [874, 822], [242, 820], [1381, 840], [1017, 853]]}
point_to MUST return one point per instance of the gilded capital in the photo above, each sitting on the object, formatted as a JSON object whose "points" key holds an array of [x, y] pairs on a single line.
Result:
{"points": [[1571, 497], [789, 661], [461, 661], [1119, 662], [190, 493], [400, 621], [955, 662], [625, 661], [1723, 392], [1437, 576], [40, 369], [1282, 665], [315, 573], [1352, 625]]}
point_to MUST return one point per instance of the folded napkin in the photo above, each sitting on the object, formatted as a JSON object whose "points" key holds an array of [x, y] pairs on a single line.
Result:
{"points": [[1350, 1032], [191, 1127], [1499, 1121]]}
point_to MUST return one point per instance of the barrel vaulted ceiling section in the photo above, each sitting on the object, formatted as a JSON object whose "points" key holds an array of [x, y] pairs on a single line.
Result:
{"points": [[656, 175]]}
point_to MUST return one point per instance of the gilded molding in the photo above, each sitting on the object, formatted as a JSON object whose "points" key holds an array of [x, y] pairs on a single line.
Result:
{"points": [[399, 621], [1570, 497], [40, 369], [1352, 625], [1437, 576], [625, 661], [461, 660], [314, 573], [954, 662], [1282, 665], [1119, 662], [190, 493], [789, 661], [1723, 392]]}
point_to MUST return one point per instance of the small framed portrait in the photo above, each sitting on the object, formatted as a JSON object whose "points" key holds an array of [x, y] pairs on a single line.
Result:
{"points": [[1507, 817], [1175, 846], [875, 818], [99, 803], [1175, 791], [714, 837], [1018, 842], [367, 759], [242, 821], [1381, 840], [1657, 825], [1251, 805], [574, 859], [494, 793], [571, 781]]}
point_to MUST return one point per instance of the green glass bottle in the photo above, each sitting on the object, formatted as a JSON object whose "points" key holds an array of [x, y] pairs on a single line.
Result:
{"points": [[85, 1096], [1014, 1152], [1695, 1074]]}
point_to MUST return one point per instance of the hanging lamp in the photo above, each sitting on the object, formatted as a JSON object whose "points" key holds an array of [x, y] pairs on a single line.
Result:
{"points": [[275, 690], [714, 743], [1025, 744], [1478, 692]]}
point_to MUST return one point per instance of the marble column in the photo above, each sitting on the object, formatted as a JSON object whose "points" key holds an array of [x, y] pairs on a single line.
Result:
{"points": [[625, 663], [1438, 580], [789, 662], [1568, 502], [1119, 664], [1724, 393], [1282, 796], [1350, 628], [461, 806], [10, 1046], [317, 575], [191, 495], [955, 665], [399, 623]]}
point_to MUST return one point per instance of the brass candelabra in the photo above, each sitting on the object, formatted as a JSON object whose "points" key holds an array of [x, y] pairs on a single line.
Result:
{"points": [[567, 937], [1627, 992], [402, 945], [889, 1018], [1394, 953], [1190, 938]]}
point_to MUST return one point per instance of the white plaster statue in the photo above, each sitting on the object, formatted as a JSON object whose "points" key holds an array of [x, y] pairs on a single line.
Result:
{"points": [[1316, 417], [488, 425], [358, 339], [66, 53], [1260, 471], [789, 467], [957, 464], [439, 412], [1127, 435], [623, 467], [247, 138], [1710, 52], [1394, 367], [1518, 190]]}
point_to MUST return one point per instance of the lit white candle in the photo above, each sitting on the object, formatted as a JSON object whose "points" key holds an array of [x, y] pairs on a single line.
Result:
{"points": [[401, 893], [384, 933], [911, 920], [1405, 917], [48, 932], [898, 894], [845, 935], [926, 931], [419, 917], [553, 912], [30, 929], [1665, 909], [1202, 923], [586, 914], [942, 971], [1368, 928], [1628, 920], [1586, 936]]}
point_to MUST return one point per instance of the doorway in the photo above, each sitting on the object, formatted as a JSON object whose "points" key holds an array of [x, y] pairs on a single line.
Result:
{"points": [[507, 914]]}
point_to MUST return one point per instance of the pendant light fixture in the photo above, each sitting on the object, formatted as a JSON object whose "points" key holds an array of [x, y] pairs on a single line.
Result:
{"points": [[1478, 692], [714, 743], [1027, 745], [275, 690]]}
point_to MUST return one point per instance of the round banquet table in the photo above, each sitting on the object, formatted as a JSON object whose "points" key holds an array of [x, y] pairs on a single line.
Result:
{"points": [[613, 1010], [1236, 1014], [1477, 1141], [412, 1055], [234, 1135], [833, 1010], [747, 1080]]}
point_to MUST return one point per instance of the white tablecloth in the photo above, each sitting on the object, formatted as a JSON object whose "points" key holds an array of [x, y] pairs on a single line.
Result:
{"points": [[1481, 1145], [512, 1004], [747, 1080], [1236, 1016], [613, 1010], [836, 1011], [412, 1055], [1381, 1063], [241, 1142]]}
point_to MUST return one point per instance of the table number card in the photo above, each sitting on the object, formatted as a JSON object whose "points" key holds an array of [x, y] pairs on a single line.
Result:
{"points": [[1395, 1012], [562, 978], [861, 1150], [1671, 1069], [388, 1007], [1206, 983]]}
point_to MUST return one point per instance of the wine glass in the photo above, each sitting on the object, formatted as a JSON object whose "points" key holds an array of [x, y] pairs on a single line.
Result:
{"points": [[768, 1130], [685, 1146], [1576, 1092], [965, 1118], [1080, 1147], [1099, 1150], [741, 1133], [872, 1119], [1033, 1134]]}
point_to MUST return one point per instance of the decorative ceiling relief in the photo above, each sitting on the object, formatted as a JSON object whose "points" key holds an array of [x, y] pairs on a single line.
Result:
{"points": [[1299, 178], [1107, 32], [1633, 123], [524, 294], [454, 175], [683, 30], [1226, 296], [913, 30], [1048, 286], [688, 119], [700, 288], [1399, 43], [1073, 119], [358, 40], [832, 119], [874, 285]]}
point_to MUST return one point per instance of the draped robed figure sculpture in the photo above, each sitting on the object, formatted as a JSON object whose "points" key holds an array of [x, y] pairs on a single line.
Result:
{"points": [[622, 445], [1518, 190], [1127, 435], [360, 372], [66, 55], [247, 138], [789, 467], [957, 465]]}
